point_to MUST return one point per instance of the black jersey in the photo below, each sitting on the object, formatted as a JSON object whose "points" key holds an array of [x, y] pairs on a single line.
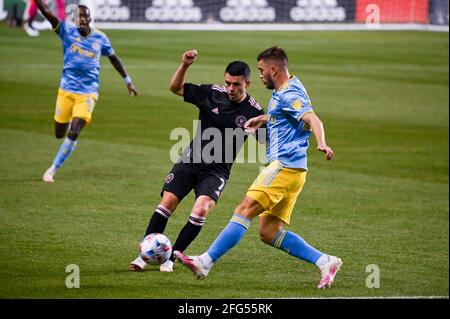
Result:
{"points": [[220, 132]]}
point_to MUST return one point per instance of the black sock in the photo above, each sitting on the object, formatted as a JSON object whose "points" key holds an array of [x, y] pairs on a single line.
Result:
{"points": [[188, 234], [158, 222]]}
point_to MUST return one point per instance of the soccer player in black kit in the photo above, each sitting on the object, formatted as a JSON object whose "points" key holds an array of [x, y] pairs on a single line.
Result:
{"points": [[205, 169]]}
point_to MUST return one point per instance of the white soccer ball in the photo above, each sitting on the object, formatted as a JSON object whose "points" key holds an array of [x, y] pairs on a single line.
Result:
{"points": [[155, 249]]}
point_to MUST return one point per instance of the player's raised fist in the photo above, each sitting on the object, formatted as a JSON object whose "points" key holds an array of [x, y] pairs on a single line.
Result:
{"points": [[189, 57]]}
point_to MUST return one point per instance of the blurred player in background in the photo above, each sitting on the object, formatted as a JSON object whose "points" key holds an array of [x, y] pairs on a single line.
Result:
{"points": [[221, 108], [78, 90], [30, 13], [290, 119]]}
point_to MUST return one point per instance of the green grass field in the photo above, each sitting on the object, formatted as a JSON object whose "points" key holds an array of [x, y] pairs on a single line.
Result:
{"points": [[383, 97]]}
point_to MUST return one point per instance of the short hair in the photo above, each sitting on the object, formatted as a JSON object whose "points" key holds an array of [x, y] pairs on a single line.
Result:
{"points": [[238, 68], [82, 6], [274, 53]]}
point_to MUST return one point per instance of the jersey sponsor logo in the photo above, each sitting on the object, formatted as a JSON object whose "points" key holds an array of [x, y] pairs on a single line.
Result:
{"points": [[241, 120], [75, 48], [169, 178]]}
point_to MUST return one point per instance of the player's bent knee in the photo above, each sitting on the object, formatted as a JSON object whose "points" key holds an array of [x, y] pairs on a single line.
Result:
{"points": [[170, 201], [249, 208], [266, 237], [200, 211], [60, 135], [60, 130], [73, 135]]}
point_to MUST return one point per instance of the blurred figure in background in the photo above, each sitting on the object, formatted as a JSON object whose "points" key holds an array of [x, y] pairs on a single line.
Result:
{"points": [[30, 13]]}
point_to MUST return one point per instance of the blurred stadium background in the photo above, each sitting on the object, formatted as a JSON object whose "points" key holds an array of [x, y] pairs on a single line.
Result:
{"points": [[378, 77], [218, 14]]}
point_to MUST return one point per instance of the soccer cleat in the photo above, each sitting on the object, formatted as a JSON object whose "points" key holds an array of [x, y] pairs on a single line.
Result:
{"points": [[49, 175], [138, 264], [328, 272], [166, 266], [194, 263], [30, 30]]}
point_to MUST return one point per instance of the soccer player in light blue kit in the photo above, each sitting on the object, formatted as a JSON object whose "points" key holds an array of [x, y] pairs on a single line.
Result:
{"points": [[290, 119], [78, 90]]}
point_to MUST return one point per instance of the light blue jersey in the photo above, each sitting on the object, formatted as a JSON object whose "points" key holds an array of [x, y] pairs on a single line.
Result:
{"points": [[82, 58], [287, 134]]}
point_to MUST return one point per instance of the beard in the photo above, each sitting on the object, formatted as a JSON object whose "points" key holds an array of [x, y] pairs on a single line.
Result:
{"points": [[269, 84]]}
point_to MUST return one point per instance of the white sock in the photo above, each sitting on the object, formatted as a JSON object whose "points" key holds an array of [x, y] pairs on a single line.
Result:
{"points": [[206, 260], [140, 260], [322, 260], [168, 263]]}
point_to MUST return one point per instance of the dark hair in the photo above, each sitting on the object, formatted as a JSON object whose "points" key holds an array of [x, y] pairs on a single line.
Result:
{"points": [[238, 68], [274, 53], [82, 6]]}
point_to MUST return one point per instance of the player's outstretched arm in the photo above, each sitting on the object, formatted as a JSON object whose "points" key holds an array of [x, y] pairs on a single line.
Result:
{"points": [[117, 64], [255, 123], [54, 21], [178, 78], [319, 133]]}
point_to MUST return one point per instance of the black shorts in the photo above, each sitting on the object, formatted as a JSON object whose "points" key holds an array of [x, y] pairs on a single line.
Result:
{"points": [[187, 176]]}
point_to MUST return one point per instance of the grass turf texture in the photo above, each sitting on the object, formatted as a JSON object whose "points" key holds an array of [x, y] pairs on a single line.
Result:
{"points": [[383, 97]]}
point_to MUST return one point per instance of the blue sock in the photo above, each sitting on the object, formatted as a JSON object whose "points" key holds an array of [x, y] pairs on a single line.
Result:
{"points": [[296, 246], [64, 152], [229, 237]]}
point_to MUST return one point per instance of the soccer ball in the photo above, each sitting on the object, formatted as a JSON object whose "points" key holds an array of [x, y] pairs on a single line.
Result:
{"points": [[155, 249]]}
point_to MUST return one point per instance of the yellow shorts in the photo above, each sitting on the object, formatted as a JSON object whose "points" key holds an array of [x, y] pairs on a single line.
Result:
{"points": [[70, 105], [276, 188]]}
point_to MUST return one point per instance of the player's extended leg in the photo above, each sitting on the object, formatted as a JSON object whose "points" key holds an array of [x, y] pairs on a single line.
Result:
{"points": [[29, 14], [272, 233], [157, 223], [66, 147], [203, 205], [227, 239]]}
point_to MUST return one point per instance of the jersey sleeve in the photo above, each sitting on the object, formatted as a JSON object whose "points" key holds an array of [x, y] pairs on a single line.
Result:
{"points": [[296, 104], [196, 94], [62, 29], [107, 49]]}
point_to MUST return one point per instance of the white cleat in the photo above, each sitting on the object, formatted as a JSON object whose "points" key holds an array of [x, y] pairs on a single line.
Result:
{"points": [[29, 30], [194, 263], [166, 266], [328, 272], [49, 175], [138, 264]]}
